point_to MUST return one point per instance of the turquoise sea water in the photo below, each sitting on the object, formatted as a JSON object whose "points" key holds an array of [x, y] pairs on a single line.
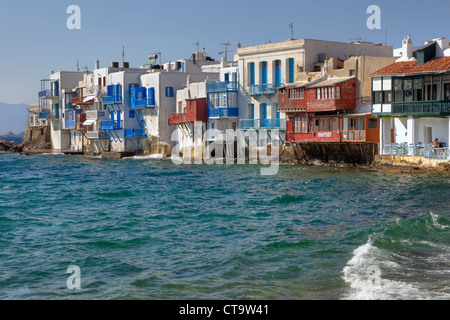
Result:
{"points": [[144, 228]]}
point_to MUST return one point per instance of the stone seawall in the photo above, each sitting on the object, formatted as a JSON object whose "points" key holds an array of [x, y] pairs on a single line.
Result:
{"points": [[329, 153], [410, 164], [37, 138]]}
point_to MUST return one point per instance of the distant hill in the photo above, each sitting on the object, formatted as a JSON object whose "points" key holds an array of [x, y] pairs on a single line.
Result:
{"points": [[10, 136], [13, 118]]}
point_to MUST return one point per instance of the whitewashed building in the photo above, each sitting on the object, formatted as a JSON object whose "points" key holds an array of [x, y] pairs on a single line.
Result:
{"points": [[412, 99]]}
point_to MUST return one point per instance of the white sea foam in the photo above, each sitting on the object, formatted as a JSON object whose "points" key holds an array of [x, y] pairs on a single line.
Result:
{"points": [[152, 156], [435, 218], [363, 273]]}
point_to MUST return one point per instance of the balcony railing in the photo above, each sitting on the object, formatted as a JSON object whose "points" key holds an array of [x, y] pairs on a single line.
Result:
{"points": [[264, 124], [112, 100], [47, 94], [111, 125], [177, 118], [417, 108], [353, 135], [71, 124], [221, 86], [421, 108], [141, 103], [135, 133], [96, 115], [260, 89], [96, 135], [223, 112]]}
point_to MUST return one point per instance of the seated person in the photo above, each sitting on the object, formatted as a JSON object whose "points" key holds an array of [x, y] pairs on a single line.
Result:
{"points": [[436, 143]]}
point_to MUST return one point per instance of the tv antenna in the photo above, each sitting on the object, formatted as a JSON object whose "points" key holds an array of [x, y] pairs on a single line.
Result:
{"points": [[198, 45], [291, 26], [226, 50]]}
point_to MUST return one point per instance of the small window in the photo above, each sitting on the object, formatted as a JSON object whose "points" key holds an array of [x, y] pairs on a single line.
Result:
{"points": [[169, 92], [131, 114], [372, 124]]}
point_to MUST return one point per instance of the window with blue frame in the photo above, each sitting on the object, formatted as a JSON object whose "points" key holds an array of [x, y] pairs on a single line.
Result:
{"points": [[169, 92], [131, 114]]}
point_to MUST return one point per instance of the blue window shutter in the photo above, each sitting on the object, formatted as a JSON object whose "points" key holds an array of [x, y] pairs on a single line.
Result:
{"points": [[151, 97], [291, 70], [278, 112], [252, 73], [56, 88], [227, 77], [131, 114], [253, 111], [110, 91]]}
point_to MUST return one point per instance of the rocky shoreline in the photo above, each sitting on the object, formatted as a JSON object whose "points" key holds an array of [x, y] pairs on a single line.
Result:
{"points": [[7, 146]]}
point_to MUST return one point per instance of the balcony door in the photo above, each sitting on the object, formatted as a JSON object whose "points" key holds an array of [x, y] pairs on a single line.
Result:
{"points": [[264, 78]]}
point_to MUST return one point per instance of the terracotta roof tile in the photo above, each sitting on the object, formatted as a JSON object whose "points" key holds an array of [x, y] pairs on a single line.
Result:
{"points": [[441, 64]]}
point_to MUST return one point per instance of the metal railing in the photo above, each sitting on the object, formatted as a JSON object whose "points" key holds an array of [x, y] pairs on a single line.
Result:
{"points": [[263, 124], [47, 93], [221, 86], [427, 151], [260, 89]]}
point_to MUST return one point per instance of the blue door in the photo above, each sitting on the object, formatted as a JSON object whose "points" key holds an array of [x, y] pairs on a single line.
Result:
{"points": [[264, 72], [291, 70], [278, 71], [252, 72]]}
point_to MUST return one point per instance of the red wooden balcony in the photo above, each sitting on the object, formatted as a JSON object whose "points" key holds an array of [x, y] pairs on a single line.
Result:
{"points": [[81, 118], [196, 110]]}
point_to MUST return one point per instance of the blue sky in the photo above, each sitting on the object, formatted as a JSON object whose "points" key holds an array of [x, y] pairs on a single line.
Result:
{"points": [[34, 39]]}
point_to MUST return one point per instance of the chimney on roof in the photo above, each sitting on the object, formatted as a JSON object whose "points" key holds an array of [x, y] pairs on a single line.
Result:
{"points": [[407, 50]]}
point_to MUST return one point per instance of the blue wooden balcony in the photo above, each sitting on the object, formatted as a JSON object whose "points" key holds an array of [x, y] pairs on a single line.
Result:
{"points": [[264, 89], [111, 125], [71, 124], [222, 87], [223, 112], [135, 133], [109, 100]]}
